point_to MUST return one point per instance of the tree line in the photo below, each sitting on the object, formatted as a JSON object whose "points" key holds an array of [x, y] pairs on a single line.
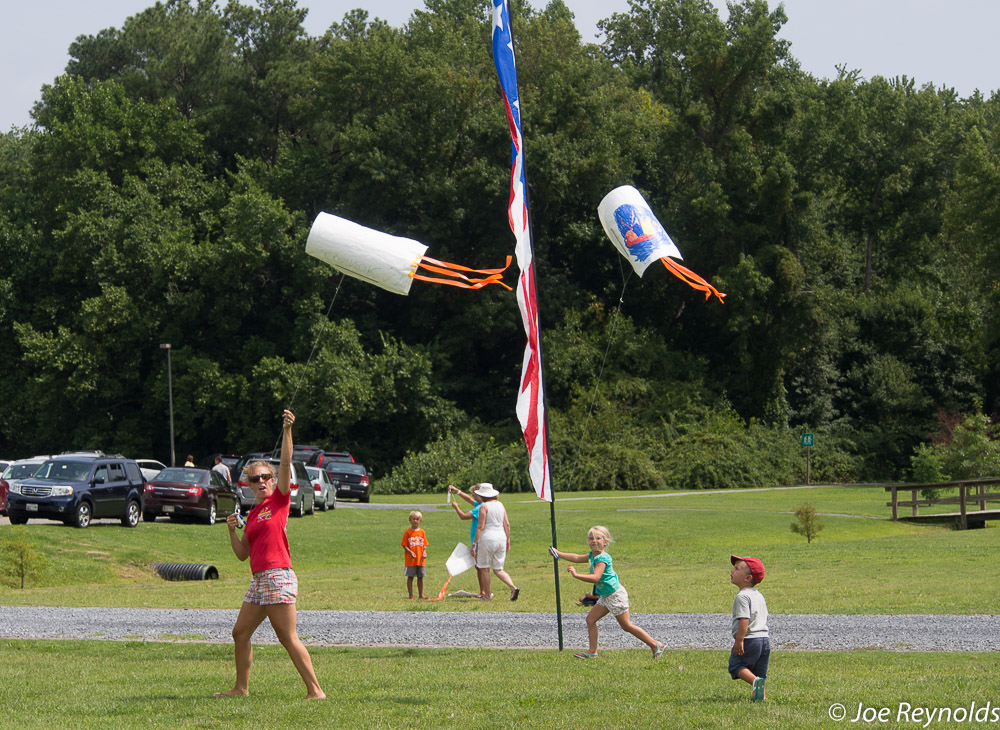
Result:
{"points": [[167, 184]]}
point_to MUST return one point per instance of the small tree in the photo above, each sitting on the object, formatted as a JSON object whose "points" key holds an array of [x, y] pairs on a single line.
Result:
{"points": [[807, 522], [19, 558]]}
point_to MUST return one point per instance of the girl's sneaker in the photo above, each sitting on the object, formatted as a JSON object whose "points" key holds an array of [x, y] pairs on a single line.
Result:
{"points": [[658, 651], [758, 689], [585, 655]]}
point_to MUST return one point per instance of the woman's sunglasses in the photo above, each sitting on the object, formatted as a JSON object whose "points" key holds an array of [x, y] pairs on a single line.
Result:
{"points": [[260, 478]]}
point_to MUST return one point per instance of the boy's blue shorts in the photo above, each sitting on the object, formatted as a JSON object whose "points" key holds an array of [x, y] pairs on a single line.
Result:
{"points": [[756, 653]]}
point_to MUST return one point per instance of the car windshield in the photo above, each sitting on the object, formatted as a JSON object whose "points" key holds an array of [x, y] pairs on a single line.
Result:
{"points": [[345, 468], [20, 471], [64, 471], [180, 475]]}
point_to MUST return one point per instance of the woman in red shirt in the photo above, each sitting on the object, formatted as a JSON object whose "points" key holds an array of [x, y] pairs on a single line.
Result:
{"points": [[274, 586]]}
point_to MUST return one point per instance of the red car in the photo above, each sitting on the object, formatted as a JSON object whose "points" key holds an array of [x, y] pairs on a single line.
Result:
{"points": [[185, 491]]}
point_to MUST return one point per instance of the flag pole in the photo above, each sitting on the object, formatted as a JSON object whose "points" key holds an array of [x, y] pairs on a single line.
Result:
{"points": [[545, 399], [531, 394]]}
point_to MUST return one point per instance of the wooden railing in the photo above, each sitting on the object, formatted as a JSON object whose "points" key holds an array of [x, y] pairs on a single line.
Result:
{"points": [[970, 491]]}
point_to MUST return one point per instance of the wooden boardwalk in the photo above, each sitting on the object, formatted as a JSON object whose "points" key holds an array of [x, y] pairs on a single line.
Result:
{"points": [[973, 519], [971, 493]]}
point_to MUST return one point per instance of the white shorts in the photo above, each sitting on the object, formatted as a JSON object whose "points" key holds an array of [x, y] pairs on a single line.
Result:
{"points": [[491, 552], [616, 603]]}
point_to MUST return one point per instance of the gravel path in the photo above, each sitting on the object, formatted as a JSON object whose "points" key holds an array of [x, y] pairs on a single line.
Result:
{"points": [[510, 630]]}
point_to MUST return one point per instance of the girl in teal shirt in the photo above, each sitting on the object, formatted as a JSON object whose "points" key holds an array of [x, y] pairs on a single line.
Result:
{"points": [[611, 596]]}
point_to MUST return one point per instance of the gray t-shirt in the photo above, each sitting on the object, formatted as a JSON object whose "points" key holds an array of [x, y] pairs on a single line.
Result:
{"points": [[749, 604], [223, 471]]}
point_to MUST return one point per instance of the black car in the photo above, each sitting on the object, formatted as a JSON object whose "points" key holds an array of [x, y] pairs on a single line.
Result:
{"points": [[77, 489], [351, 480]]}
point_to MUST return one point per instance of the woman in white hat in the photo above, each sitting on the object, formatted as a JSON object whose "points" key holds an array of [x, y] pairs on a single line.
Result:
{"points": [[492, 540]]}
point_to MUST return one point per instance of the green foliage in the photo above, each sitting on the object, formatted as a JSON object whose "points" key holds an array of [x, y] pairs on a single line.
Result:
{"points": [[718, 451], [807, 522], [166, 189], [439, 464], [21, 562], [964, 448]]}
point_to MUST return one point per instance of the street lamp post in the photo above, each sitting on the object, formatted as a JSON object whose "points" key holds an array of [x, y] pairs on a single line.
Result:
{"points": [[170, 396]]}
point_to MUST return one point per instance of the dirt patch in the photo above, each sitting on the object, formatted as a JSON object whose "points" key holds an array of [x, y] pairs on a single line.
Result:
{"points": [[134, 572]]}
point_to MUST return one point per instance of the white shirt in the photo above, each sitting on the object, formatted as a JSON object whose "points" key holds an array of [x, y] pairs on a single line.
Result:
{"points": [[750, 604], [495, 512]]}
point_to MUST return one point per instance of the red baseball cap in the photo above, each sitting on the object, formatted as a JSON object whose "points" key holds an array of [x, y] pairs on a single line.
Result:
{"points": [[756, 567]]}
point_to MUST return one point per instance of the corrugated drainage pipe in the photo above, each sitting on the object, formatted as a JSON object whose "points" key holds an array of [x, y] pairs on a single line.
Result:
{"points": [[186, 571]]}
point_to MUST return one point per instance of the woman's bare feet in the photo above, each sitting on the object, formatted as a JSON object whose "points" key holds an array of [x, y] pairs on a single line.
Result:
{"points": [[320, 696], [233, 693]]}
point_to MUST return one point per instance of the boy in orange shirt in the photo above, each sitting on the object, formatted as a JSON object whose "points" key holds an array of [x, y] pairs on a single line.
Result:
{"points": [[415, 544]]}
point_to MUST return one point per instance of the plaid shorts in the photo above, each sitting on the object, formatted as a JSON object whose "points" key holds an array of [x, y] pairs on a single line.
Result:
{"points": [[271, 586]]}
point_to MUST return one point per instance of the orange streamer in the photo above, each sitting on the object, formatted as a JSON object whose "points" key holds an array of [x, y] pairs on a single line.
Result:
{"points": [[493, 276], [691, 279], [443, 589]]}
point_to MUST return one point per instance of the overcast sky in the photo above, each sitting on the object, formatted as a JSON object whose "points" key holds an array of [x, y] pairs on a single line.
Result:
{"points": [[948, 44]]}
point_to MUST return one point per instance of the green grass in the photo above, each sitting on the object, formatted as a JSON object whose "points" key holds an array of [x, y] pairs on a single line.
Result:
{"points": [[671, 551], [62, 684]]}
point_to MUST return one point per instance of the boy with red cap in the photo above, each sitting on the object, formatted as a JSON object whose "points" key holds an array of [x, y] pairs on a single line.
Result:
{"points": [[751, 645]]}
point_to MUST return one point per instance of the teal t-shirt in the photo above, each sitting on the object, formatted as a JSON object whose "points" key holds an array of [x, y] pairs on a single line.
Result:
{"points": [[608, 583], [475, 522]]}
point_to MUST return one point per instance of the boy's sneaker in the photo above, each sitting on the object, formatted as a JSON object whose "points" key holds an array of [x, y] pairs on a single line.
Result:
{"points": [[758, 689]]}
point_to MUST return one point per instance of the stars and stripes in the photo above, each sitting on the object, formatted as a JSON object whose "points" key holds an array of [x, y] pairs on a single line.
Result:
{"points": [[530, 398]]}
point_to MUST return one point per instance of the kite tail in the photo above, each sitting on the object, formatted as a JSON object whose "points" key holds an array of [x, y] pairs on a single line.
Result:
{"points": [[691, 279], [443, 589], [493, 276]]}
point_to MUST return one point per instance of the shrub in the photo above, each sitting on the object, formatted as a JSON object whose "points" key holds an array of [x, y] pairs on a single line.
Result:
{"points": [[720, 452], [461, 458], [20, 561], [962, 449]]}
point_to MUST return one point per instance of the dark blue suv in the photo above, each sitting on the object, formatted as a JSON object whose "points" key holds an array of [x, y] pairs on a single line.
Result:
{"points": [[77, 489]]}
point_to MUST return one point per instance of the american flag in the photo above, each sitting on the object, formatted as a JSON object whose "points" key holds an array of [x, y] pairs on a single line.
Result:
{"points": [[530, 400]]}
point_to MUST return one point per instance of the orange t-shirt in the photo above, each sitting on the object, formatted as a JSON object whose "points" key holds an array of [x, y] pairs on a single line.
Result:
{"points": [[416, 540]]}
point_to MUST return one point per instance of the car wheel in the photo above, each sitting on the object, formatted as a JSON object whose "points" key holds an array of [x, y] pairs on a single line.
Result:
{"points": [[18, 519], [365, 498], [326, 504], [212, 513], [312, 507], [81, 518], [131, 516], [297, 512], [149, 517]]}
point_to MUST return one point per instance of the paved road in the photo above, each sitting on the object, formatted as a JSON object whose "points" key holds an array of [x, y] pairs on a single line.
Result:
{"points": [[506, 629]]}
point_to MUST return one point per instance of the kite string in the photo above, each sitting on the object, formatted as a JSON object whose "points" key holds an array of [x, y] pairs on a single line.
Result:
{"points": [[309, 360], [611, 336]]}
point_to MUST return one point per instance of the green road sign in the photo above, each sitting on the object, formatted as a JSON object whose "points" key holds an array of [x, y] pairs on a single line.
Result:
{"points": [[807, 440]]}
